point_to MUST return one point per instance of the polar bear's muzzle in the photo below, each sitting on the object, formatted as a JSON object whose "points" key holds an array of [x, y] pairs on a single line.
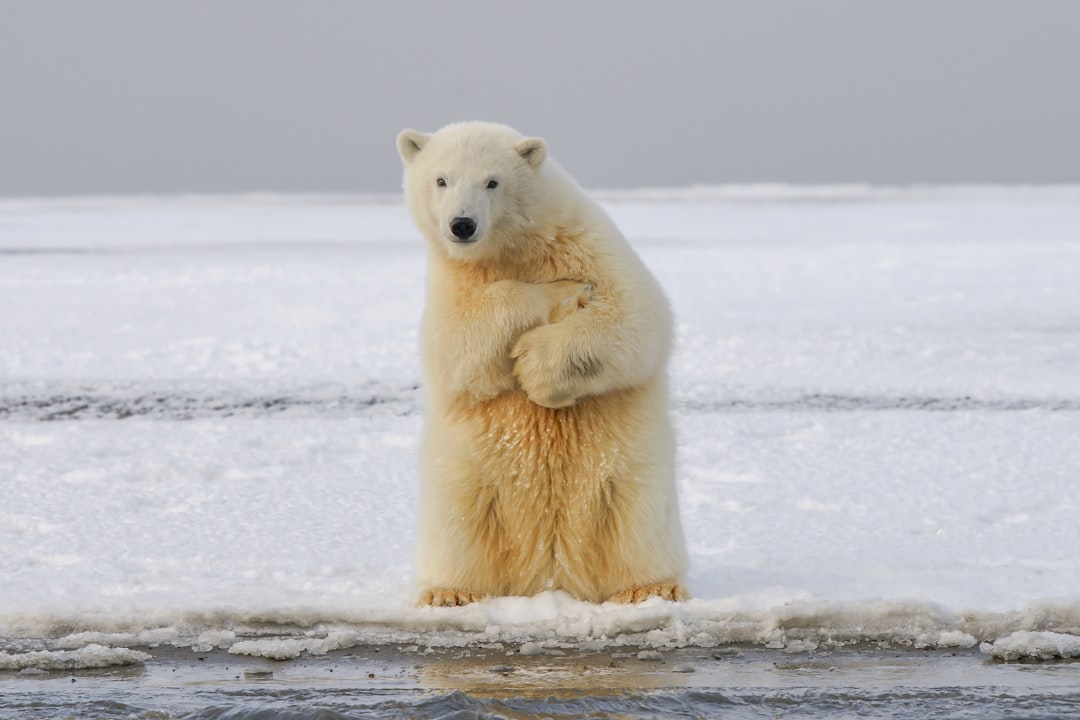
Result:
{"points": [[463, 229]]}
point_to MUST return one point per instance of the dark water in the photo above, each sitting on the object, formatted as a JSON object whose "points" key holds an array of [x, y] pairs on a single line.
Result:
{"points": [[456, 685]]}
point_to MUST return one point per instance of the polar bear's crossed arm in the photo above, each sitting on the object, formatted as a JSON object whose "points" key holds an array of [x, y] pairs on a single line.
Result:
{"points": [[621, 339], [470, 331]]}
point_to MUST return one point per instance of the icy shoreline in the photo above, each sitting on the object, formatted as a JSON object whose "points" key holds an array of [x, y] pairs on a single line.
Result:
{"points": [[1043, 630]]}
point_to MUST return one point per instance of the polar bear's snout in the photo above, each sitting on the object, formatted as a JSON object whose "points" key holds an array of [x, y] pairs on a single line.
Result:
{"points": [[463, 228]]}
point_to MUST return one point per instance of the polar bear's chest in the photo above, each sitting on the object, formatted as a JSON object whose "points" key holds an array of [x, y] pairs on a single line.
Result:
{"points": [[519, 443]]}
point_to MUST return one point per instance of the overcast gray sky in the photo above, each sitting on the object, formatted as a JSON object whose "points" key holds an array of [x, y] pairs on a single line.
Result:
{"points": [[148, 96]]}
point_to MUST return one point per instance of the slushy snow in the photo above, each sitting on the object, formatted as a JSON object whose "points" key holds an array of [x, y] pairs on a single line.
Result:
{"points": [[1027, 645], [209, 413], [91, 656]]}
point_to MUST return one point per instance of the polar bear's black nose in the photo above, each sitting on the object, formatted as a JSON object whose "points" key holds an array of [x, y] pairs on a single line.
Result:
{"points": [[463, 227]]}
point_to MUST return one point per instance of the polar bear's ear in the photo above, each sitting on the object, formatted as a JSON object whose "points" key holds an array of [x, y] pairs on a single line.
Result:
{"points": [[410, 142], [533, 150]]}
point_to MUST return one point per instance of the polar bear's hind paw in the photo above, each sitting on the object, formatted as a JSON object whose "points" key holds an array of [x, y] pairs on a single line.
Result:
{"points": [[640, 593], [446, 597]]}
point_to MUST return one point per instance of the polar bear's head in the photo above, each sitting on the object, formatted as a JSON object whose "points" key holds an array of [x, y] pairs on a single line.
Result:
{"points": [[470, 184]]}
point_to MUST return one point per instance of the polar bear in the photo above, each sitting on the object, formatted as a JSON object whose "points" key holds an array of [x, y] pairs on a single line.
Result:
{"points": [[548, 454]]}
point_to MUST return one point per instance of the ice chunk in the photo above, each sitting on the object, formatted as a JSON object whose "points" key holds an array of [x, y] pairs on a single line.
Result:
{"points": [[91, 656], [1027, 645]]}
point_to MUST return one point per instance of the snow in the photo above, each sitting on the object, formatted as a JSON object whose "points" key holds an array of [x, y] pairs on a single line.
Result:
{"points": [[91, 656], [1026, 645], [210, 407]]}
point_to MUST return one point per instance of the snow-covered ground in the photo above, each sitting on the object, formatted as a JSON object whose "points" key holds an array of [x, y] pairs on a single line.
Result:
{"points": [[210, 407]]}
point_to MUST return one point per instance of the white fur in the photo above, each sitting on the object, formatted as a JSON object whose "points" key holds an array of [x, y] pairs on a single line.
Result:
{"points": [[548, 455]]}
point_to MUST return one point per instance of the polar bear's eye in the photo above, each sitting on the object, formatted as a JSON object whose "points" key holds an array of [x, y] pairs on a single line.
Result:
{"points": [[441, 182], [492, 184]]}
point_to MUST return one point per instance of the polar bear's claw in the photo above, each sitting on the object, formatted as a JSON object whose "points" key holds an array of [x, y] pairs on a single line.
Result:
{"points": [[640, 593], [444, 597], [568, 297]]}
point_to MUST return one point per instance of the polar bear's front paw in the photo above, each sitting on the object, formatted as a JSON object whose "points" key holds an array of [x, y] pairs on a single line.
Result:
{"points": [[550, 375], [566, 297], [640, 593], [446, 597]]}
